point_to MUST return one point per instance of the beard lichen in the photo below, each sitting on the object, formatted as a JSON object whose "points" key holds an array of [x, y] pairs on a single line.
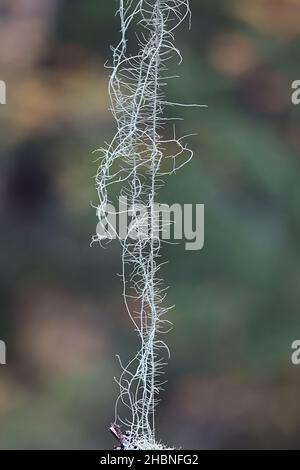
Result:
{"points": [[134, 165]]}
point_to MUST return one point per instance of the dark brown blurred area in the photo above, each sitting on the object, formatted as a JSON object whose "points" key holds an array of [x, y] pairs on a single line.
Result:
{"points": [[231, 383]]}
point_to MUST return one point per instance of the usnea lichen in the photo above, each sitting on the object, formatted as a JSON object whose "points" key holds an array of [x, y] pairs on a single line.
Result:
{"points": [[134, 165]]}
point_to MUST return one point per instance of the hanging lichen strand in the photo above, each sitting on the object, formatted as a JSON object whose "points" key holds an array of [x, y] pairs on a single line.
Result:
{"points": [[133, 166]]}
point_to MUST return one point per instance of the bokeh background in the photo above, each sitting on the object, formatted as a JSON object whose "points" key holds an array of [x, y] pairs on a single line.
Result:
{"points": [[231, 381]]}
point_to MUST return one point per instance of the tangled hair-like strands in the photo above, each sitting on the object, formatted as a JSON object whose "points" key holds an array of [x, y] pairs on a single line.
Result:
{"points": [[133, 166]]}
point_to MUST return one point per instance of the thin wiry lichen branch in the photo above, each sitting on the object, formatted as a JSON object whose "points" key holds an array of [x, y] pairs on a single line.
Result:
{"points": [[133, 166]]}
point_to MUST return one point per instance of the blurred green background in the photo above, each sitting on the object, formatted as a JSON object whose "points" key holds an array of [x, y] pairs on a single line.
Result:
{"points": [[231, 381]]}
